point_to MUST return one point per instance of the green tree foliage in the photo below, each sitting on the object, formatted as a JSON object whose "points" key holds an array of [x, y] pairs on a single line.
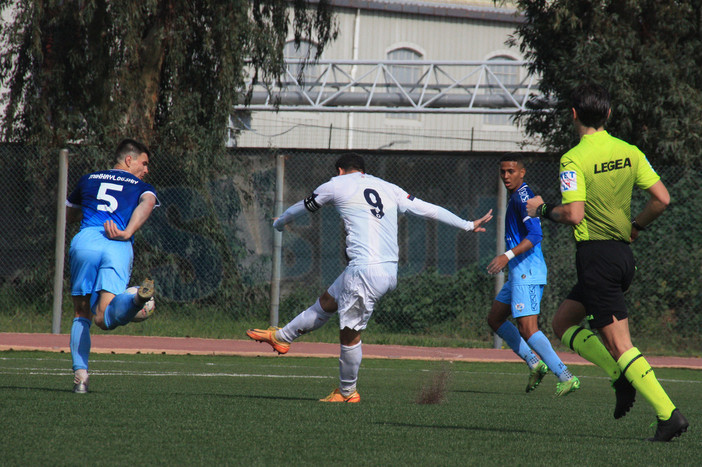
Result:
{"points": [[84, 74], [164, 71], [647, 53]]}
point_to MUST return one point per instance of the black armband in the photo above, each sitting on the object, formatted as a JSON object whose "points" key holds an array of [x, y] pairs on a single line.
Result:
{"points": [[545, 210], [311, 204], [636, 225]]}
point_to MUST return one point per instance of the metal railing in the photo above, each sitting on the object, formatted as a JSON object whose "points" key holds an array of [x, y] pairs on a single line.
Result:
{"points": [[467, 87]]}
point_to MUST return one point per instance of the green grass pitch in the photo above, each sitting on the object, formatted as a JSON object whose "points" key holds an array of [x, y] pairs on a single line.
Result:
{"points": [[217, 410]]}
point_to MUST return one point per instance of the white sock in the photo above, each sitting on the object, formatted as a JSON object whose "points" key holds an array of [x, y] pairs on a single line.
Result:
{"points": [[80, 376], [349, 362], [309, 320]]}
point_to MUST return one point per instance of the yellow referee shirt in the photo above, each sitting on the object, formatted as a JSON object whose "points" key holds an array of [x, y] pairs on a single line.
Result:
{"points": [[602, 171]]}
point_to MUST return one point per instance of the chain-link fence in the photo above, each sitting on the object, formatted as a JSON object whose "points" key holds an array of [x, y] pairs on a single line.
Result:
{"points": [[209, 246]]}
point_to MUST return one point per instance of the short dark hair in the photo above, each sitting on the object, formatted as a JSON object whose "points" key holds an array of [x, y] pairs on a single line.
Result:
{"points": [[351, 161], [130, 146], [513, 157], [592, 103]]}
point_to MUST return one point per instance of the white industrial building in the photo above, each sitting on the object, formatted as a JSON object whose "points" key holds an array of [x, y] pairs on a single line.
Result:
{"points": [[402, 74]]}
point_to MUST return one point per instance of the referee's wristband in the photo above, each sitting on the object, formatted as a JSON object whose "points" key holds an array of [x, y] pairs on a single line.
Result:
{"points": [[509, 254], [637, 225], [545, 210]]}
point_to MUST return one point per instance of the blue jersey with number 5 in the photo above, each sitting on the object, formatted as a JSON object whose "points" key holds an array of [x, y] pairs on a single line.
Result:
{"points": [[108, 195]]}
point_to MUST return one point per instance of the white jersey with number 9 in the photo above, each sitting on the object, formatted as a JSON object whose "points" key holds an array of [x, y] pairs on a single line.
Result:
{"points": [[369, 206]]}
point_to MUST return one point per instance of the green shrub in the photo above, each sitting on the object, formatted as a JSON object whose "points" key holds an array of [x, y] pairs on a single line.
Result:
{"points": [[428, 301]]}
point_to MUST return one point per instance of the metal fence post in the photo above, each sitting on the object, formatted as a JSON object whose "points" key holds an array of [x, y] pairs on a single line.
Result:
{"points": [[277, 240], [501, 213], [60, 240]]}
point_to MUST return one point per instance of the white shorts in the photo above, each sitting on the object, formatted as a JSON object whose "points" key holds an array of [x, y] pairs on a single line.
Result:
{"points": [[357, 290]]}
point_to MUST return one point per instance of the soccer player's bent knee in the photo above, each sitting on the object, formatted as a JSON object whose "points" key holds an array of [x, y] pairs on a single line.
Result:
{"points": [[494, 322], [559, 327], [327, 303]]}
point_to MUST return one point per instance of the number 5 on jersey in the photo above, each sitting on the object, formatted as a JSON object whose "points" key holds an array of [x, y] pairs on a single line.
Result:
{"points": [[111, 201]]}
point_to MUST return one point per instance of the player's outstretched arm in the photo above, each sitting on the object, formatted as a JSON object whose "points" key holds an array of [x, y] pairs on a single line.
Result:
{"points": [[421, 208], [289, 215], [478, 223]]}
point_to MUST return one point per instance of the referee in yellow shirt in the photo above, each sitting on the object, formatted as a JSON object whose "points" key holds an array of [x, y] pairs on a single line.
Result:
{"points": [[597, 178]]}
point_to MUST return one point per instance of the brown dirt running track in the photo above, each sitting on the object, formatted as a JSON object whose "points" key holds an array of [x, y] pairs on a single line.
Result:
{"points": [[120, 344]]}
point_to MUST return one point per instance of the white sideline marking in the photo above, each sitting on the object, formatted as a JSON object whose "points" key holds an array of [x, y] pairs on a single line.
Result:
{"points": [[63, 372], [98, 360]]}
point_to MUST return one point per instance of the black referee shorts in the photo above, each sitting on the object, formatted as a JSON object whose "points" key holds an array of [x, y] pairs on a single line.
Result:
{"points": [[605, 271]]}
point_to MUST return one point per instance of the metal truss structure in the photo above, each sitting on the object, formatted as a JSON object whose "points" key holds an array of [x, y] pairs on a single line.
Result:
{"points": [[466, 87]]}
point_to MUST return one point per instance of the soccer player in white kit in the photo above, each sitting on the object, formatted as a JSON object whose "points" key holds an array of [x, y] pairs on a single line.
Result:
{"points": [[369, 207]]}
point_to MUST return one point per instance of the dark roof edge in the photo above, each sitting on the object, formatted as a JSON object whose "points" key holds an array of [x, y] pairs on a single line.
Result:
{"points": [[418, 7]]}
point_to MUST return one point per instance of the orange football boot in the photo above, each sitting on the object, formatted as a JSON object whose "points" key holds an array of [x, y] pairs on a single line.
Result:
{"points": [[268, 336]]}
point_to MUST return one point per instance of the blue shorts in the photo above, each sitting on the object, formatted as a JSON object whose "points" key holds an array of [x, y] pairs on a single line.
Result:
{"points": [[524, 300], [98, 263]]}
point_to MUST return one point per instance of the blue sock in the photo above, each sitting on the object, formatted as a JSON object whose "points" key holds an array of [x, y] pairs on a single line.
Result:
{"points": [[510, 334], [121, 310], [80, 343], [539, 342]]}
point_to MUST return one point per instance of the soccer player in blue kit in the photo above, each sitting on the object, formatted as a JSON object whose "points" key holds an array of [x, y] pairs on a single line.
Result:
{"points": [[521, 294], [111, 205]]}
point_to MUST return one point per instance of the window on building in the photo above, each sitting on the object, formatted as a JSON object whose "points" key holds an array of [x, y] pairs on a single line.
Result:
{"points": [[509, 77], [407, 75], [305, 50]]}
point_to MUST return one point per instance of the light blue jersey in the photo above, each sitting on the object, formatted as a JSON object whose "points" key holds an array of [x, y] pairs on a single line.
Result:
{"points": [[529, 267]]}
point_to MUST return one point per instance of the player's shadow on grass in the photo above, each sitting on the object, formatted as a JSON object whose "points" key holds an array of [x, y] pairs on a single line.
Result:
{"points": [[455, 427], [541, 434], [252, 396], [27, 388], [276, 398], [473, 391]]}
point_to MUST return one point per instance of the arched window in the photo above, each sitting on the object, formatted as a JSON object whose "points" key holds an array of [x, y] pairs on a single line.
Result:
{"points": [[508, 76], [305, 51], [407, 75]]}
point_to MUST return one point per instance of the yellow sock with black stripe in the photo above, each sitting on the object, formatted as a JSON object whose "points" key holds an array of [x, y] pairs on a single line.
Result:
{"points": [[589, 346], [641, 375]]}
